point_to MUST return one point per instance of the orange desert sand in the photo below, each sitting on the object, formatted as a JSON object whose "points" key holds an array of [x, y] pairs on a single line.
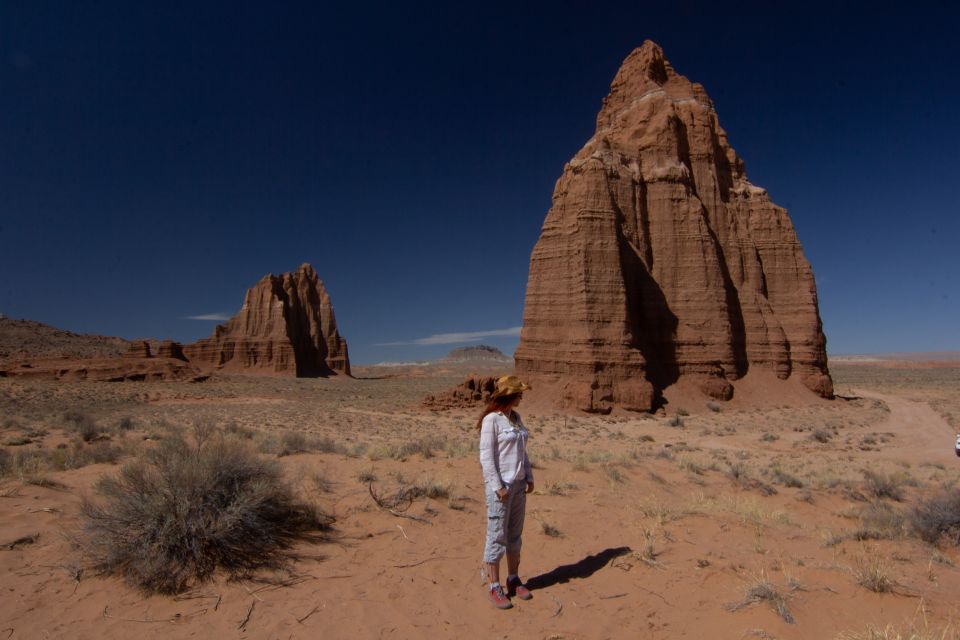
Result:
{"points": [[708, 520]]}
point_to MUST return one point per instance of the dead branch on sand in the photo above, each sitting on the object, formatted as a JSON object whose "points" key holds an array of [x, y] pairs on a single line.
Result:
{"points": [[249, 613], [405, 497], [25, 540]]}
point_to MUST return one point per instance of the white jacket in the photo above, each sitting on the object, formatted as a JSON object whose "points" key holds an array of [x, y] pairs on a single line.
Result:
{"points": [[503, 450]]}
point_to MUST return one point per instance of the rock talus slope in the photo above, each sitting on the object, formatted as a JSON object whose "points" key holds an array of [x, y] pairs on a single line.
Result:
{"points": [[285, 327], [659, 260]]}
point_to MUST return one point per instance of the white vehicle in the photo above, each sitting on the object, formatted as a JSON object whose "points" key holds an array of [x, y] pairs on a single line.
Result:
{"points": [[957, 446]]}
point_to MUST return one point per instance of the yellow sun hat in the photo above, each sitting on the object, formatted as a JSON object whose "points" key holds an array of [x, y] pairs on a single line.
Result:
{"points": [[509, 385]]}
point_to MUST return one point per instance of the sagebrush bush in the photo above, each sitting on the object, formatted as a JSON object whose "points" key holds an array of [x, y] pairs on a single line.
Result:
{"points": [[178, 512], [83, 424], [937, 517], [883, 485]]}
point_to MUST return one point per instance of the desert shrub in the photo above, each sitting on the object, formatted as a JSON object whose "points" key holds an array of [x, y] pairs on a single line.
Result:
{"points": [[769, 437], [82, 423], [241, 432], [126, 424], [937, 517], [878, 521], [689, 464], [326, 444], [17, 441], [102, 453], [178, 512], [713, 406], [821, 435], [322, 482], [883, 485], [737, 472], [675, 421], [293, 442], [6, 463], [787, 479], [80, 454]]}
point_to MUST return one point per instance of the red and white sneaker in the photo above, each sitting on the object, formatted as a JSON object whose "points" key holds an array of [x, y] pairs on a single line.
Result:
{"points": [[499, 598], [515, 587]]}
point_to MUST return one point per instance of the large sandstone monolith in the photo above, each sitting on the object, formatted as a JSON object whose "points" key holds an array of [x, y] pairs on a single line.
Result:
{"points": [[658, 260], [286, 327]]}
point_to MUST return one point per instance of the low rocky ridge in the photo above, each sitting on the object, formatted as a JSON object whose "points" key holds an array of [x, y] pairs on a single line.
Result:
{"points": [[660, 262], [27, 339]]}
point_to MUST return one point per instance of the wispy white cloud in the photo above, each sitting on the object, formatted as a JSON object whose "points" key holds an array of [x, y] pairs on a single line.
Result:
{"points": [[216, 317], [453, 338]]}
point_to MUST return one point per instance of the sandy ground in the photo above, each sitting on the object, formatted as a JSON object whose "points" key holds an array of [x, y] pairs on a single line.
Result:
{"points": [[641, 526]]}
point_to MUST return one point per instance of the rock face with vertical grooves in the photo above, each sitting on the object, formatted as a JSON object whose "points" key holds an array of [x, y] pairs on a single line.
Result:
{"points": [[659, 259], [286, 327]]}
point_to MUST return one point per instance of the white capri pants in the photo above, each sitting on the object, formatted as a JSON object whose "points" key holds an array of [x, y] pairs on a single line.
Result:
{"points": [[505, 521]]}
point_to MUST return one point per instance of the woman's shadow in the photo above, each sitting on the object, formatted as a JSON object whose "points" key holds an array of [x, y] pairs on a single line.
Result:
{"points": [[582, 569]]}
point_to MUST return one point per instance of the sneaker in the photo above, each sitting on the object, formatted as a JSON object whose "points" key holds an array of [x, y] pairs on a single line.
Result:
{"points": [[515, 587], [499, 598]]}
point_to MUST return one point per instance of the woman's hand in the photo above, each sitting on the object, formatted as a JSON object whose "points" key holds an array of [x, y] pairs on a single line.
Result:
{"points": [[530, 487], [502, 493]]}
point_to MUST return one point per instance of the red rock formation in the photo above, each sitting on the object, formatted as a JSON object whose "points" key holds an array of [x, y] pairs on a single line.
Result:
{"points": [[659, 259], [138, 349], [286, 327], [170, 349], [472, 391]]}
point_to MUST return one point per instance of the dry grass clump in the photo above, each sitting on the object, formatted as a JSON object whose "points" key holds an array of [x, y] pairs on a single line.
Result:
{"points": [[613, 474], [872, 572], [179, 512], [911, 632], [762, 590], [32, 462], [425, 446], [938, 517], [293, 442], [559, 488], [739, 474]]}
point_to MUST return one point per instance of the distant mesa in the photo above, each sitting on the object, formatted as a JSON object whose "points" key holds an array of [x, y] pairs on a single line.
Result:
{"points": [[286, 327], [659, 262], [478, 352]]}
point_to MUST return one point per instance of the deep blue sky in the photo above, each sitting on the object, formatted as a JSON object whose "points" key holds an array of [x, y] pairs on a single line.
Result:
{"points": [[157, 159]]}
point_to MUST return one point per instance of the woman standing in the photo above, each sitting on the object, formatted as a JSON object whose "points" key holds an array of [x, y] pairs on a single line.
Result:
{"points": [[507, 478]]}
